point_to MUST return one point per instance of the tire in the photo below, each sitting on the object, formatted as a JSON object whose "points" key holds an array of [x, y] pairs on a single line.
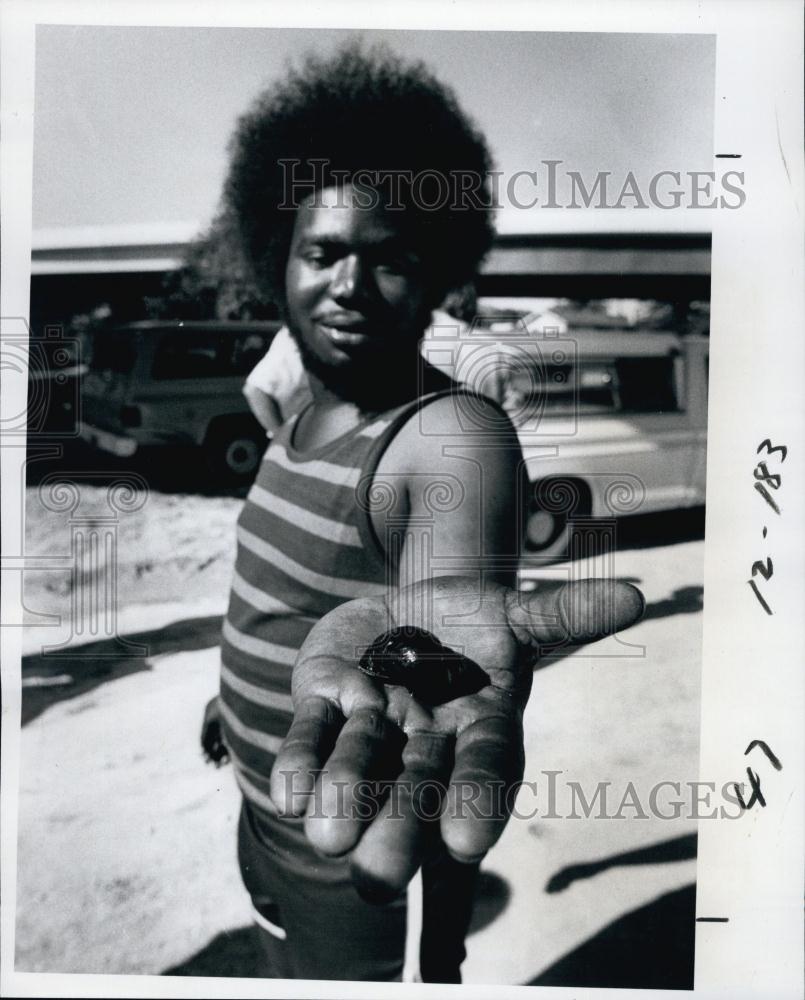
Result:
{"points": [[234, 450], [550, 513]]}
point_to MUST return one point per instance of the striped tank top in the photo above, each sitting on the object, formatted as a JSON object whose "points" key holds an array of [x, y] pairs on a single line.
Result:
{"points": [[305, 544]]}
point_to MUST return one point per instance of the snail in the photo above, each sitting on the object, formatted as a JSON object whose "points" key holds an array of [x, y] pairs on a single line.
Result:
{"points": [[415, 659]]}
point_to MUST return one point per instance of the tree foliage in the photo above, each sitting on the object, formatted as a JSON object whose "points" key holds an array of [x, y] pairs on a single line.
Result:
{"points": [[214, 281]]}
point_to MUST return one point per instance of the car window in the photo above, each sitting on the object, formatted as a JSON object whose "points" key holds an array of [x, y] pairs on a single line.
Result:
{"points": [[646, 385], [207, 354], [567, 389], [626, 385]]}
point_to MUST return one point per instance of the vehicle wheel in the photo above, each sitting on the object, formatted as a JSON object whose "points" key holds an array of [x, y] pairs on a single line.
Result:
{"points": [[553, 503], [234, 451]]}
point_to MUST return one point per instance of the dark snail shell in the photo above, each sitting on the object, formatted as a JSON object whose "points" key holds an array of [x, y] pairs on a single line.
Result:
{"points": [[415, 659]]}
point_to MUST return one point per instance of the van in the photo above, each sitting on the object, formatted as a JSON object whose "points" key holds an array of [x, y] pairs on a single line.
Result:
{"points": [[611, 423], [176, 383]]}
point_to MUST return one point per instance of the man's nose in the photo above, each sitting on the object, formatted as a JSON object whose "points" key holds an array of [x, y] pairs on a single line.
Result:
{"points": [[349, 282]]}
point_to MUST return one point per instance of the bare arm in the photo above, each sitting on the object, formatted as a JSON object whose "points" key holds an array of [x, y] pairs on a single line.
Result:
{"points": [[457, 494]]}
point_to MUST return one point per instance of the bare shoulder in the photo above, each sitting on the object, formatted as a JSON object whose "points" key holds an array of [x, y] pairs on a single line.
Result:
{"points": [[461, 422], [457, 466]]}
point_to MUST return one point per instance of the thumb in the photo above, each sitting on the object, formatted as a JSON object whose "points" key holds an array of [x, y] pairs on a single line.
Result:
{"points": [[573, 613]]}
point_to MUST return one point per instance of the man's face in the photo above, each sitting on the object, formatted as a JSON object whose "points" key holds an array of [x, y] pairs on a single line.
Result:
{"points": [[357, 296]]}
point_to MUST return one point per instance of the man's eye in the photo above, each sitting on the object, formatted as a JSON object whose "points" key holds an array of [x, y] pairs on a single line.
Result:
{"points": [[398, 264], [317, 258]]}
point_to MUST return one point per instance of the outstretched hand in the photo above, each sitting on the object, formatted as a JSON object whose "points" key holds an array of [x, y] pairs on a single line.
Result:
{"points": [[449, 762]]}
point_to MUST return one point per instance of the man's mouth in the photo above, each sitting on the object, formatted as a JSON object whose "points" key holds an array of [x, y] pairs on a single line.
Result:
{"points": [[345, 331]]}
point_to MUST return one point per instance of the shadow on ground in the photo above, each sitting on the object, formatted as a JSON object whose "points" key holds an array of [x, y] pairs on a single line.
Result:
{"points": [[683, 601], [650, 948], [231, 953], [667, 527], [51, 678], [166, 470], [676, 849]]}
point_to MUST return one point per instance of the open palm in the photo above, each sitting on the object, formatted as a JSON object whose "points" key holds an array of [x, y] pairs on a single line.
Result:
{"points": [[450, 763]]}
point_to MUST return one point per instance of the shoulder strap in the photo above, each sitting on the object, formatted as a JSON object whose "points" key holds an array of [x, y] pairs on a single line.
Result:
{"points": [[397, 422], [364, 493]]}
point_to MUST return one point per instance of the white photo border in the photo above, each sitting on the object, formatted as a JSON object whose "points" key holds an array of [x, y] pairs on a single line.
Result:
{"points": [[752, 682]]}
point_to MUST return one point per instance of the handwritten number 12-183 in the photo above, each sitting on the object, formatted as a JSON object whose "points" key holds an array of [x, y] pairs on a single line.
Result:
{"points": [[765, 481]]}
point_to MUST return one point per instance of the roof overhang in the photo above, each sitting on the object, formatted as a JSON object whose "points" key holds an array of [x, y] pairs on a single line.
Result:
{"points": [[528, 243]]}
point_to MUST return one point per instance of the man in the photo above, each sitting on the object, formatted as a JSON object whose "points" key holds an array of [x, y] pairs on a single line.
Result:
{"points": [[390, 500]]}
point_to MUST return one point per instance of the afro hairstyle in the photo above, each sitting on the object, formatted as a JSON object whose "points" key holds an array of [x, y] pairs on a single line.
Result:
{"points": [[361, 110]]}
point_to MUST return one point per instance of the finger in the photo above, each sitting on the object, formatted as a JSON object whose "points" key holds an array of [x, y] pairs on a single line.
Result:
{"points": [[304, 750], [394, 844], [367, 749], [578, 612], [489, 762]]}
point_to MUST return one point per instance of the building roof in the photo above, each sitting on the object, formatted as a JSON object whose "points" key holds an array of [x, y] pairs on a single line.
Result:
{"points": [[538, 242], [104, 249]]}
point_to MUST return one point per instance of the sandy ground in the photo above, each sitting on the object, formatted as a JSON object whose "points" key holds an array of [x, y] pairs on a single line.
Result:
{"points": [[127, 839]]}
